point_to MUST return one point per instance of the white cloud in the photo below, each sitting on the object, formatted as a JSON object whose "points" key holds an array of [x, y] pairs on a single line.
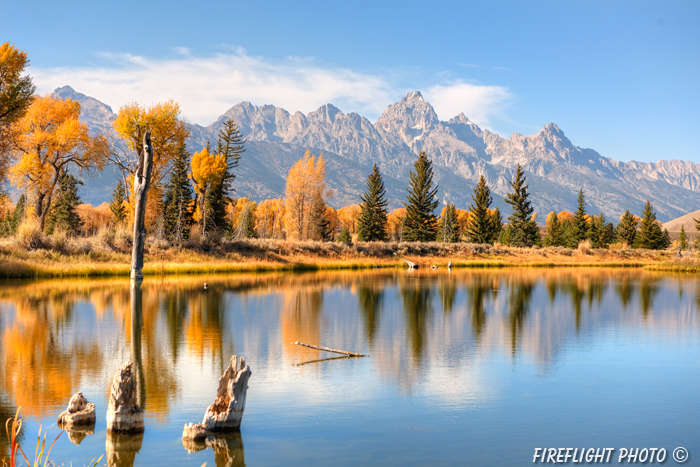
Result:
{"points": [[480, 103], [205, 87]]}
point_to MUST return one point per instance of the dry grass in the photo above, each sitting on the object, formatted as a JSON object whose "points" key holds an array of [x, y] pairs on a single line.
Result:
{"points": [[109, 254]]}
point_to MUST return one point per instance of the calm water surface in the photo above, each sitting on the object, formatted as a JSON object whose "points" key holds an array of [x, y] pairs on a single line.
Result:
{"points": [[472, 367]]}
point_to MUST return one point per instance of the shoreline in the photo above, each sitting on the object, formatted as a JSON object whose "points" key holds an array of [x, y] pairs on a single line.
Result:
{"points": [[86, 258]]}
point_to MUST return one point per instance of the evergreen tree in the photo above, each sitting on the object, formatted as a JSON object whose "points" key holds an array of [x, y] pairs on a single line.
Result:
{"points": [[626, 230], [682, 239], [581, 230], [555, 231], [230, 144], [496, 224], [421, 223], [650, 235], [372, 223], [344, 236], [246, 226], [177, 200], [117, 204], [319, 225], [609, 234], [479, 228], [523, 231], [17, 214], [62, 215], [448, 226]]}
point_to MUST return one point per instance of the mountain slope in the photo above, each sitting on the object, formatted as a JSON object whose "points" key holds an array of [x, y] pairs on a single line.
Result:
{"points": [[461, 152]]}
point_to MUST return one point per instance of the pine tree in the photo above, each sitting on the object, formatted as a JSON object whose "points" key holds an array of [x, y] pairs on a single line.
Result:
{"points": [[496, 224], [650, 235], [479, 228], [117, 204], [555, 231], [523, 230], [231, 145], [626, 230], [344, 236], [682, 240], [372, 223], [421, 223], [246, 226], [581, 230], [62, 215], [448, 226], [595, 231], [177, 201]]}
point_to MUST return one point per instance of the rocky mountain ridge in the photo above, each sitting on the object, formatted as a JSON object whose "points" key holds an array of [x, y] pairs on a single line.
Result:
{"points": [[461, 151]]}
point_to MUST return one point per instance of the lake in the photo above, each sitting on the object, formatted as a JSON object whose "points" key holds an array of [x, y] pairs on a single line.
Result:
{"points": [[474, 367]]}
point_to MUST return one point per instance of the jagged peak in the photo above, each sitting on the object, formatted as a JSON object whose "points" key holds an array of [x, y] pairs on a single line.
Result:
{"points": [[328, 111], [412, 96]]}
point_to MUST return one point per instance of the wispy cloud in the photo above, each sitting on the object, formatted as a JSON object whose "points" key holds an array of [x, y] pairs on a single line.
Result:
{"points": [[481, 103], [205, 87]]}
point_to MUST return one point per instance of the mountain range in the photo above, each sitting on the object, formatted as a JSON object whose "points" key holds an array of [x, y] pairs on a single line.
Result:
{"points": [[460, 151]]}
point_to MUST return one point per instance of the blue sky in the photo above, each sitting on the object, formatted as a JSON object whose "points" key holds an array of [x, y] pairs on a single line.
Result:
{"points": [[620, 77]]}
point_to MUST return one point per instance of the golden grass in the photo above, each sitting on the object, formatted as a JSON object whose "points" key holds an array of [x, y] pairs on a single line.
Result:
{"points": [[94, 257]]}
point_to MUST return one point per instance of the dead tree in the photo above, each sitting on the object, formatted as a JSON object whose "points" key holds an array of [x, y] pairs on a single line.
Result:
{"points": [[142, 181]]}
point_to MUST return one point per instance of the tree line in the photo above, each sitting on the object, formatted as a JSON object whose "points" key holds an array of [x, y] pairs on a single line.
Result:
{"points": [[44, 145]]}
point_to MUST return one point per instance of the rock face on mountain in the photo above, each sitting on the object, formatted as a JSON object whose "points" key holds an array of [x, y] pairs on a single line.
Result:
{"points": [[461, 152]]}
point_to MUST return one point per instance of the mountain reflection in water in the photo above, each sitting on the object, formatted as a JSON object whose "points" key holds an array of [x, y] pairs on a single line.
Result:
{"points": [[60, 337]]}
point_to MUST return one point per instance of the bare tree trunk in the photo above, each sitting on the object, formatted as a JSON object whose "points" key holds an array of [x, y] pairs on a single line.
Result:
{"points": [[142, 181]]}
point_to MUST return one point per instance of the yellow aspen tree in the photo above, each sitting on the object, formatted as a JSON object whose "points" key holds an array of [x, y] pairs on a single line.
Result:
{"points": [[305, 184], [395, 220], [51, 138], [208, 170], [168, 134], [348, 217], [269, 221]]}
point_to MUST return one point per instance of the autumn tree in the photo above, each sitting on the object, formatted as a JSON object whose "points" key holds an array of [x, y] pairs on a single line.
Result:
{"points": [[208, 171], [420, 224], [395, 222], [480, 228], [522, 230], [16, 93], [116, 205], [168, 134], [94, 218], [348, 217], [177, 201], [49, 139], [63, 215], [242, 214], [230, 144], [373, 216], [304, 192], [269, 221]]}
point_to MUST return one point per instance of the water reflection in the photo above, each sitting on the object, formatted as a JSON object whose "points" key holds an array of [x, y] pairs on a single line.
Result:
{"points": [[228, 448], [59, 337]]}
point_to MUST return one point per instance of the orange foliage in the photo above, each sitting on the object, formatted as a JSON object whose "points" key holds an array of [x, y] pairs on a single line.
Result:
{"points": [[348, 216], [94, 218], [51, 138], [269, 219], [395, 221], [305, 184]]}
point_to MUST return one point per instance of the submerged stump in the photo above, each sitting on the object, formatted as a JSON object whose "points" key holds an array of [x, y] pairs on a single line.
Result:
{"points": [[80, 412], [124, 415], [226, 413]]}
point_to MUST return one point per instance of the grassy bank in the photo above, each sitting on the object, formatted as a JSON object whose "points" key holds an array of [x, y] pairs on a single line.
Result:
{"points": [[93, 257]]}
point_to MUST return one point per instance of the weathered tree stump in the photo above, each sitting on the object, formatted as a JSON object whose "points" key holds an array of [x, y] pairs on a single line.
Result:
{"points": [[124, 415], [77, 434], [121, 448], [80, 412], [142, 181], [226, 413]]}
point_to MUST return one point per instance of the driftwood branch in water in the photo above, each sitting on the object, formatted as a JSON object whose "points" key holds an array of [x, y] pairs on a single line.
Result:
{"points": [[345, 357], [318, 347]]}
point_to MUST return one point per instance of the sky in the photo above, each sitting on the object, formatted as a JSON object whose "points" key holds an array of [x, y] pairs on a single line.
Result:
{"points": [[620, 77]]}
